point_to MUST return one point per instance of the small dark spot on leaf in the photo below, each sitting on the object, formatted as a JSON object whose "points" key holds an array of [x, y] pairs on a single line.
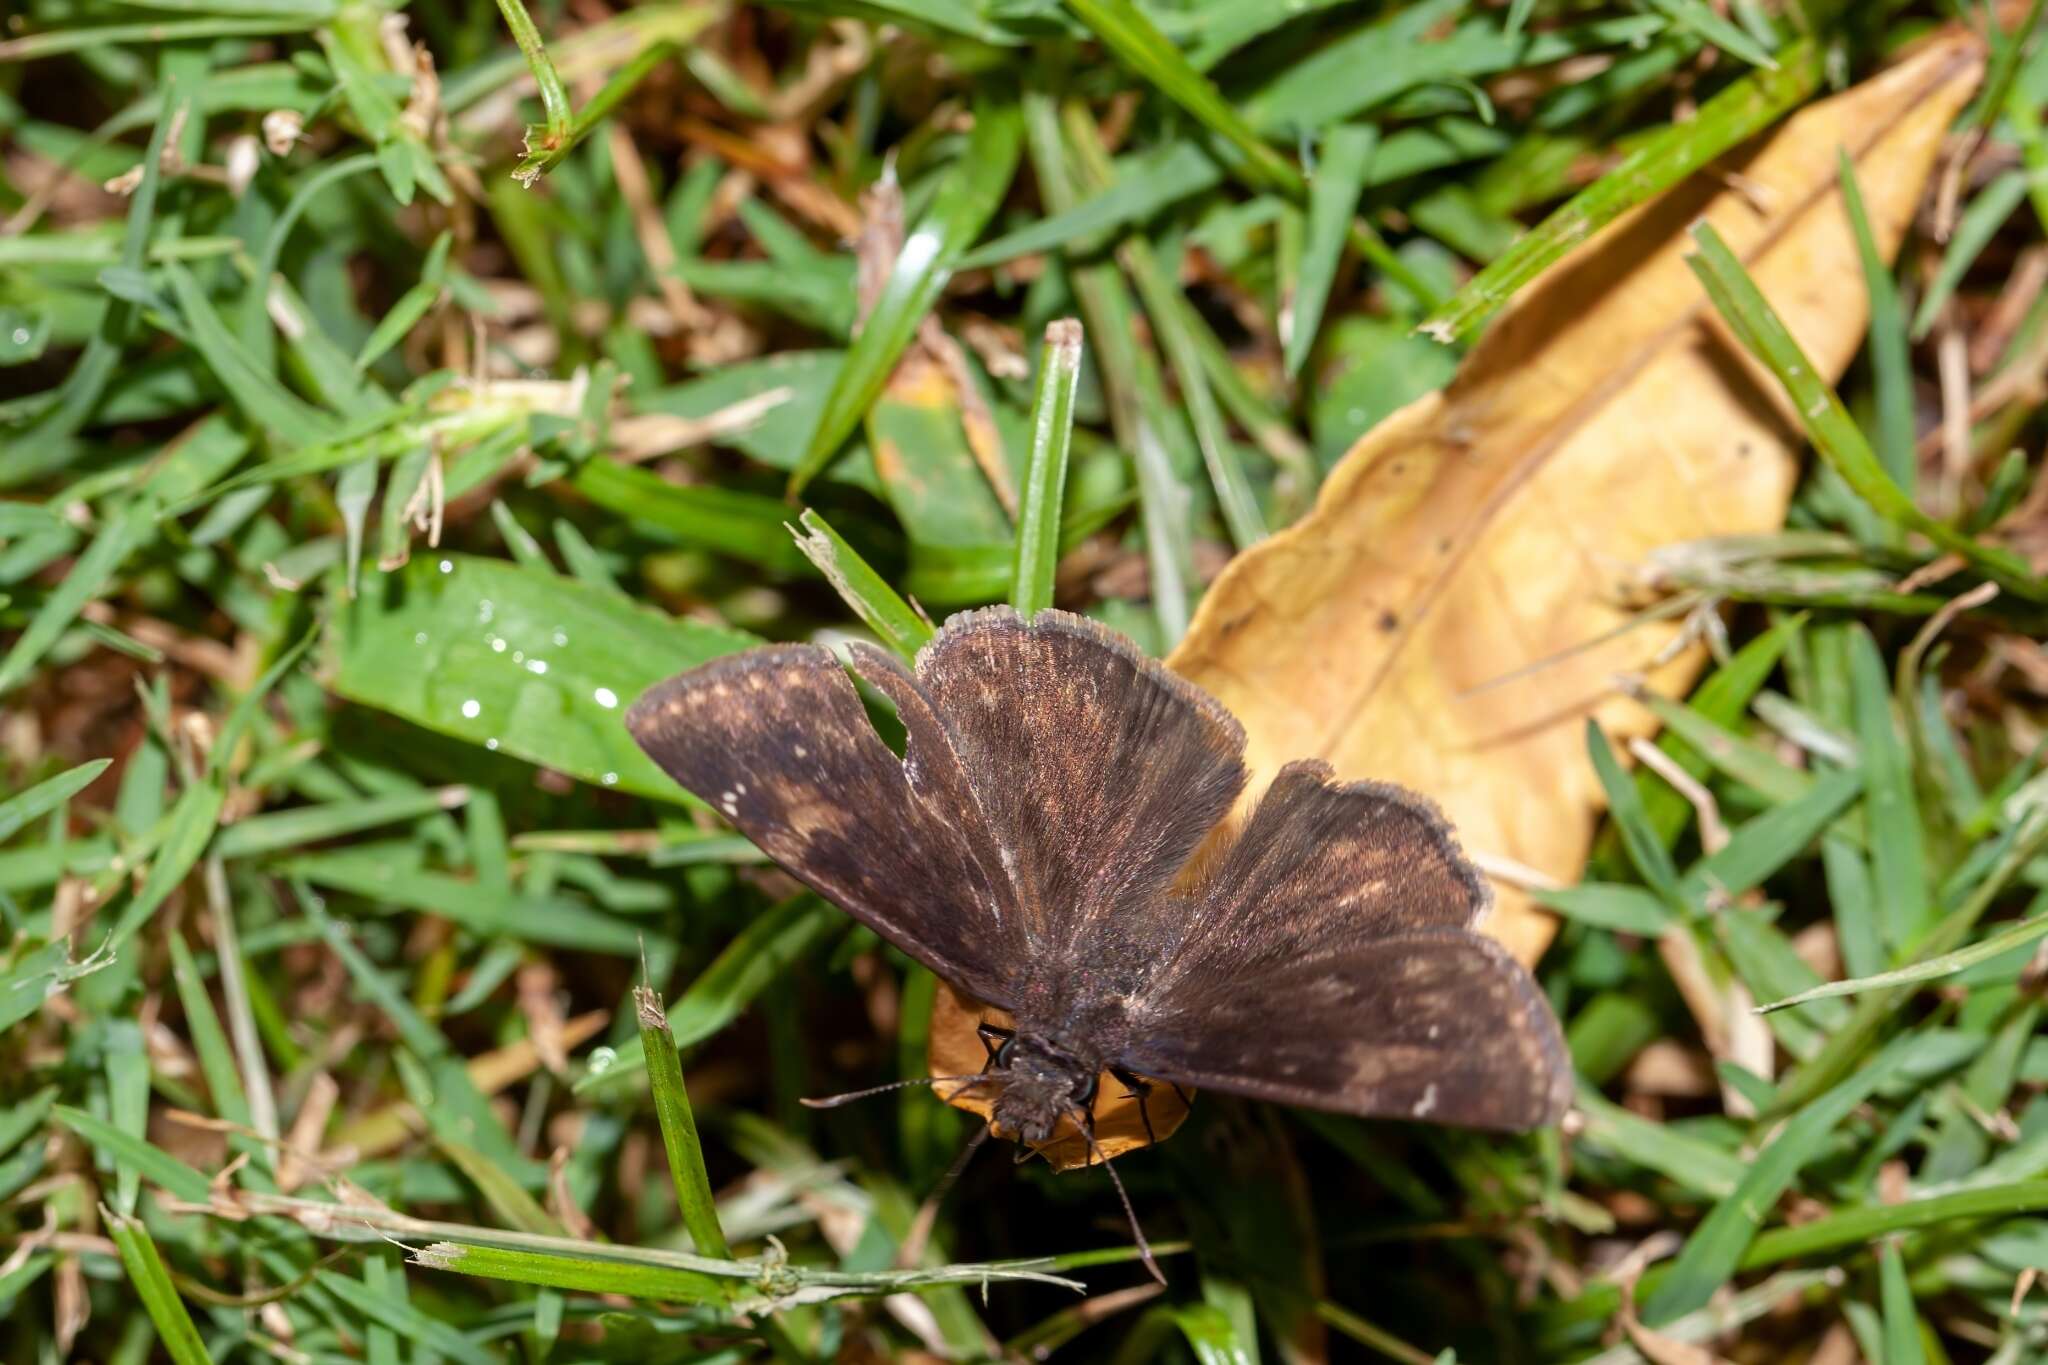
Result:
{"points": [[1389, 622]]}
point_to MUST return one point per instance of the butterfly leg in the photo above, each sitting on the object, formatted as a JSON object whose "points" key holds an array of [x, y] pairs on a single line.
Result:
{"points": [[997, 1040], [1137, 1089]]}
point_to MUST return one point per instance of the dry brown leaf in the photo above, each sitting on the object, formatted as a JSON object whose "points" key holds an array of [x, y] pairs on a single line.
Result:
{"points": [[956, 1050], [1496, 524]]}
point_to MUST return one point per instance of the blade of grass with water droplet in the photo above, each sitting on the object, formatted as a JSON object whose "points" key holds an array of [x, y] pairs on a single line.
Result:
{"points": [[761, 953]]}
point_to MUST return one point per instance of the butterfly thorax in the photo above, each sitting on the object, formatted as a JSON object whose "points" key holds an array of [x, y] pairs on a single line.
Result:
{"points": [[1042, 1082]]}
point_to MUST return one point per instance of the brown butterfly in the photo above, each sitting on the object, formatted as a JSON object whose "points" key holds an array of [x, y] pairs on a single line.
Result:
{"points": [[1035, 846]]}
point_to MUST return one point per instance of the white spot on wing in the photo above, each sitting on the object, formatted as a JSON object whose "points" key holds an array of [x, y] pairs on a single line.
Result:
{"points": [[1427, 1103]]}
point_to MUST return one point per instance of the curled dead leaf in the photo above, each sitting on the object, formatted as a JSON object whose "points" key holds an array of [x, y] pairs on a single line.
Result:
{"points": [[956, 1050], [1495, 525]]}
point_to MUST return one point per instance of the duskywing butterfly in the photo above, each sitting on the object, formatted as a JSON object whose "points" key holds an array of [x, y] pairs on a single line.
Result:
{"points": [[1036, 847]]}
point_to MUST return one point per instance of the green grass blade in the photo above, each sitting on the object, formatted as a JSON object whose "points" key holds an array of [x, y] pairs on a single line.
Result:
{"points": [[585, 1273], [145, 1266], [1715, 1249], [1144, 186], [1125, 30], [1933, 969], [1901, 1321], [744, 525], [1045, 469], [679, 1128], [895, 622], [1898, 853], [1891, 358], [1625, 808], [965, 202], [127, 529], [1731, 117], [155, 1164], [554, 97], [45, 797], [1827, 422], [1973, 232], [193, 821], [1340, 179], [1694, 15], [1659, 1147], [278, 831], [1878, 1007]]}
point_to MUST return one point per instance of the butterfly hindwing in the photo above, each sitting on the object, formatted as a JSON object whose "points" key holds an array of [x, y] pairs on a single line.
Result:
{"points": [[1436, 1024], [777, 741], [1321, 865]]}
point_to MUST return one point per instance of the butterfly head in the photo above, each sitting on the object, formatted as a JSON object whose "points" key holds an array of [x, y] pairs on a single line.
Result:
{"points": [[1041, 1085]]}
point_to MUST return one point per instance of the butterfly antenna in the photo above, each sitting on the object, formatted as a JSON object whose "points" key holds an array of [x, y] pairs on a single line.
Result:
{"points": [[834, 1101], [912, 1250], [1087, 1127]]}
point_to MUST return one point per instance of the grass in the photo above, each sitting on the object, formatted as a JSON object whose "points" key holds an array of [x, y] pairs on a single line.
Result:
{"points": [[366, 995]]}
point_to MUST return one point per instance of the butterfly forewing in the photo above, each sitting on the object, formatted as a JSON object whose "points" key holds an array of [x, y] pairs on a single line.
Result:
{"points": [[777, 741], [1099, 770]]}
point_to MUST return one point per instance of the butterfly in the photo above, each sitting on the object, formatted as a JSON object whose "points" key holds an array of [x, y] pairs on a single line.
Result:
{"points": [[1055, 840]]}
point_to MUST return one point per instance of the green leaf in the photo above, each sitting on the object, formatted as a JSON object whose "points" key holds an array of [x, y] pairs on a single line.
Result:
{"points": [[1211, 1335], [1974, 230], [1625, 807], [277, 831], [1891, 359], [965, 202], [1659, 1147], [1898, 855], [193, 821], [523, 663], [408, 1322], [376, 875], [1931, 969]]}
